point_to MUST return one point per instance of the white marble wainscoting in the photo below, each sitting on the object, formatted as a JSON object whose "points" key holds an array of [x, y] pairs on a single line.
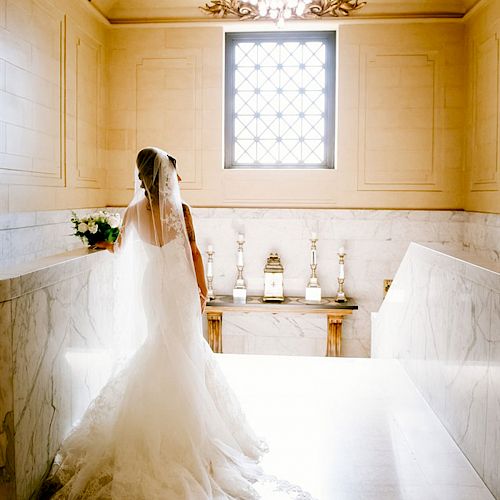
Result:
{"points": [[482, 235], [25, 236], [441, 318], [375, 242], [288, 334], [52, 321]]}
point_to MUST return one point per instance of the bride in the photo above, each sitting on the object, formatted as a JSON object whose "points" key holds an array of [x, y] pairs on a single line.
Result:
{"points": [[167, 426]]}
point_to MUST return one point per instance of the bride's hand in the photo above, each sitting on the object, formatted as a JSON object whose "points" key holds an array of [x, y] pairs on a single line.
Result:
{"points": [[106, 245], [203, 301]]}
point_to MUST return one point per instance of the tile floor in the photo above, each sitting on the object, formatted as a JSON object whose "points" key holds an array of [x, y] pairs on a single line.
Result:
{"points": [[350, 429]]}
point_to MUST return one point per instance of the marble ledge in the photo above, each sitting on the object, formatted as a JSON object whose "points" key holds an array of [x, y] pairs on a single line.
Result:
{"points": [[19, 280], [476, 269]]}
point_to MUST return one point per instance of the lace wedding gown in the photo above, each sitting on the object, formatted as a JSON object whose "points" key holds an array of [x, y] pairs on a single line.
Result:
{"points": [[167, 426]]}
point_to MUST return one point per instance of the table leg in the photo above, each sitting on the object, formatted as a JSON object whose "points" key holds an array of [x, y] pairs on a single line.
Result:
{"points": [[334, 339], [215, 331]]}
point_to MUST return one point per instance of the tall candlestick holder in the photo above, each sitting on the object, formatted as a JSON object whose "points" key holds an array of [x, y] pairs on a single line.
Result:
{"points": [[340, 292], [240, 289], [313, 290], [210, 273]]}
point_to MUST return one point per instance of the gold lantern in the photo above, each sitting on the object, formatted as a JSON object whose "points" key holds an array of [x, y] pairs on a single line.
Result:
{"points": [[273, 280]]}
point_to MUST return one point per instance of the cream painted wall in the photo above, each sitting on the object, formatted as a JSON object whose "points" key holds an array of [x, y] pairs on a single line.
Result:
{"points": [[482, 182], [400, 118], [52, 105], [78, 97]]}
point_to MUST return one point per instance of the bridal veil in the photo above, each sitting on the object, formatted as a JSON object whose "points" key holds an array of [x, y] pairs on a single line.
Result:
{"points": [[166, 426]]}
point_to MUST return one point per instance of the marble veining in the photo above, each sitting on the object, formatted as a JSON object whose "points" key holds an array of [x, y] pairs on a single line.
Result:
{"points": [[441, 318], [55, 317], [375, 241], [492, 442], [59, 315], [482, 235], [25, 236]]}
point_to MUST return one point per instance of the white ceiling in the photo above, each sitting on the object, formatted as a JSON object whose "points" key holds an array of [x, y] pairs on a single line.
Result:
{"points": [[189, 9]]}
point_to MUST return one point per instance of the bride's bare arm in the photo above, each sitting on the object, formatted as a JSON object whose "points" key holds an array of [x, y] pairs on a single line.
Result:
{"points": [[197, 259]]}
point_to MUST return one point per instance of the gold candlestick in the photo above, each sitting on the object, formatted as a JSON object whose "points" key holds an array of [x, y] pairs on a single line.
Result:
{"points": [[240, 289], [313, 290], [210, 273], [341, 279]]}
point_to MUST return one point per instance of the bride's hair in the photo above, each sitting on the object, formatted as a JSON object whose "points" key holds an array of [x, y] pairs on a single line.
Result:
{"points": [[149, 161], [146, 167]]}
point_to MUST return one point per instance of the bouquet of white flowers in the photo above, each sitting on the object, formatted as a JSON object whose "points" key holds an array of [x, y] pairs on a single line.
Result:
{"points": [[97, 227]]}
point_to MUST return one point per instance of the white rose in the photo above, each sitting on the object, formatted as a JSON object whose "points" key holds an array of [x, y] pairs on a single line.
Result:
{"points": [[93, 228], [113, 221], [82, 227]]}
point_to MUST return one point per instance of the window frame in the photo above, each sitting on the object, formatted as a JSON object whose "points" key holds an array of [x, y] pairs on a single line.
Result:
{"points": [[231, 39]]}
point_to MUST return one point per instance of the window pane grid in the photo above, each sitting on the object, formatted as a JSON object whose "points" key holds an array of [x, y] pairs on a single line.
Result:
{"points": [[279, 103]]}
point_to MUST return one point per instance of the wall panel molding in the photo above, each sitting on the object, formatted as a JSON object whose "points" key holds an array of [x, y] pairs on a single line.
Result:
{"points": [[399, 134], [174, 83], [33, 137], [88, 106], [485, 175]]}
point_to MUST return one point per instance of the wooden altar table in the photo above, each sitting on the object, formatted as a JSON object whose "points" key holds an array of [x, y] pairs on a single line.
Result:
{"points": [[335, 313]]}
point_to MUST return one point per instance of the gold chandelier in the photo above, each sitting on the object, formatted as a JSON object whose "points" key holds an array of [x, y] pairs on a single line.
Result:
{"points": [[280, 10]]}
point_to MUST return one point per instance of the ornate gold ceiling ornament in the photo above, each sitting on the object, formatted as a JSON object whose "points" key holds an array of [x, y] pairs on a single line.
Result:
{"points": [[280, 10]]}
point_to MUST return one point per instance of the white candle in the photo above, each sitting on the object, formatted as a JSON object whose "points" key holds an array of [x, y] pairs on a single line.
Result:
{"points": [[210, 248], [241, 238], [314, 236], [341, 251], [341, 271], [240, 257], [210, 270]]}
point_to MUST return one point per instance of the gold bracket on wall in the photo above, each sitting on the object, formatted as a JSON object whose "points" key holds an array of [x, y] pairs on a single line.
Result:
{"points": [[387, 285]]}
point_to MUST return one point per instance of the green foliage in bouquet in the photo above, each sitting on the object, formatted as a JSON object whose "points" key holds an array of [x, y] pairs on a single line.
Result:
{"points": [[97, 227]]}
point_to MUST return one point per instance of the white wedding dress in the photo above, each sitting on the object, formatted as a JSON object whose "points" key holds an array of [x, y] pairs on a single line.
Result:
{"points": [[167, 426]]}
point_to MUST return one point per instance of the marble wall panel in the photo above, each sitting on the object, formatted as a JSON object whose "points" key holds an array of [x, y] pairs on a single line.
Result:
{"points": [[283, 334], [52, 331], [441, 319], [56, 322], [91, 336], [40, 334], [482, 235], [491, 455], [25, 236], [375, 241]]}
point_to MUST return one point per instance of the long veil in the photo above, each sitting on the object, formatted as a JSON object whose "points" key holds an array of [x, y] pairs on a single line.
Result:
{"points": [[166, 426], [152, 225]]}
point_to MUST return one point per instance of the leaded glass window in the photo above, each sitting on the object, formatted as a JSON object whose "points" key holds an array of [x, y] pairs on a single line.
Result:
{"points": [[280, 100]]}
